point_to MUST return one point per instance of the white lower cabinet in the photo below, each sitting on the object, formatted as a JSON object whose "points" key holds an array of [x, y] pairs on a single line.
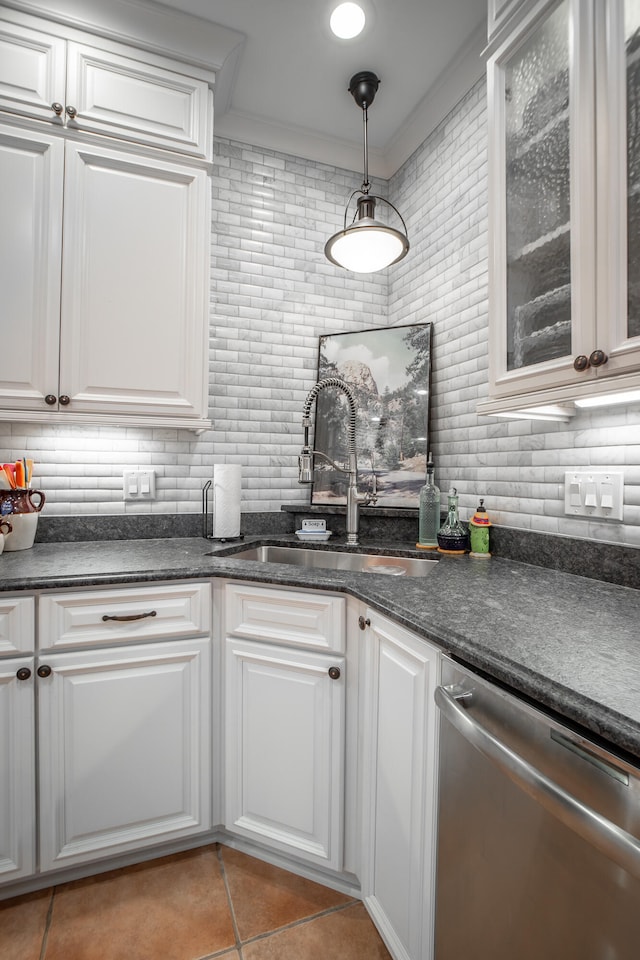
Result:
{"points": [[124, 749], [285, 723], [105, 725], [17, 769], [399, 786]]}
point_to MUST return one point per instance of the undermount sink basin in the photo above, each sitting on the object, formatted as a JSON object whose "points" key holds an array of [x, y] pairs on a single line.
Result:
{"points": [[339, 560]]}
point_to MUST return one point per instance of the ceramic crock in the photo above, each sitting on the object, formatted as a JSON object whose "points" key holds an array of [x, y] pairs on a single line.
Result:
{"points": [[21, 507]]}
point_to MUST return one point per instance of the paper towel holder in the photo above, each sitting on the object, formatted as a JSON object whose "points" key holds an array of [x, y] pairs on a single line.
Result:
{"points": [[207, 518]]}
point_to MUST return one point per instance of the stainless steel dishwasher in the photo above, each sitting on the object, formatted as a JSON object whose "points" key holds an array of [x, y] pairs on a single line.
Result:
{"points": [[538, 850]]}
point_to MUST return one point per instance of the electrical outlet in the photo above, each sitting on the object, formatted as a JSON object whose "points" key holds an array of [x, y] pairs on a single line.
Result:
{"points": [[595, 494], [139, 484]]}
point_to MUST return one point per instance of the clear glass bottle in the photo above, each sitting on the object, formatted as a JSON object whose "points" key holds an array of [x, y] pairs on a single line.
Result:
{"points": [[452, 535], [429, 514]]}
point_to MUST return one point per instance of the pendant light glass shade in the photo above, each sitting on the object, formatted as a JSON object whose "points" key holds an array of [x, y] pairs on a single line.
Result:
{"points": [[366, 245]]}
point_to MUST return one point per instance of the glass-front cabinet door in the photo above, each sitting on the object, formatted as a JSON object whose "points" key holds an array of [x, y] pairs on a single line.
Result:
{"points": [[564, 195]]}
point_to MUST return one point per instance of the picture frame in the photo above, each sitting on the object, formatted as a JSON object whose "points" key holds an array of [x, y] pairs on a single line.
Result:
{"points": [[389, 372]]}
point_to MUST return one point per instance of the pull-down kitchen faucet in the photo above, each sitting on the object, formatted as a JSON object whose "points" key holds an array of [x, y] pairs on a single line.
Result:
{"points": [[305, 459]]}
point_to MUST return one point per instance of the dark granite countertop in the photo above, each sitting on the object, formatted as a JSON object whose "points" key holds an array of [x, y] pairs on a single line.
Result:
{"points": [[569, 643]]}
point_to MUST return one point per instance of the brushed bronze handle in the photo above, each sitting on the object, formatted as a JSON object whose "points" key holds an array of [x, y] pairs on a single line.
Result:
{"points": [[581, 363], [23, 673], [334, 673], [598, 358], [44, 670], [130, 616], [50, 399], [72, 112], [57, 108], [64, 400], [363, 624]]}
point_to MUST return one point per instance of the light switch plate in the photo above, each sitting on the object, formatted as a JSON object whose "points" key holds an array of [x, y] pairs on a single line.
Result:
{"points": [[139, 485], [598, 494]]}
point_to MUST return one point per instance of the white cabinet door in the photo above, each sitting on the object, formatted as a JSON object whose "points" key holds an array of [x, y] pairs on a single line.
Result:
{"points": [[32, 71], [399, 787], [134, 304], [17, 770], [31, 170], [124, 749], [564, 162], [284, 749], [128, 98]]}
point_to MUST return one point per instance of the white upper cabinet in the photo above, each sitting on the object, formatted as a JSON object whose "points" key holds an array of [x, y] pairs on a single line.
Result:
{"points": [[102, 87], [105, 230], [564, 172]]}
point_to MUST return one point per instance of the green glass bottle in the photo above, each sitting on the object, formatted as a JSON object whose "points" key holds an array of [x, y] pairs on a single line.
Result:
{"points": [[429, 513]]}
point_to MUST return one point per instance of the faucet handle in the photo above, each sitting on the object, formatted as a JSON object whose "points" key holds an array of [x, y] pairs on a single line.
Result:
{"points": [[305, 466]]}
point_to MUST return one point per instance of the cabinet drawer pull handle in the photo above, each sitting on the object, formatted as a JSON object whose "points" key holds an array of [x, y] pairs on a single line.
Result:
{"points": [[581, 363], [44, 671], [23, 673], [363, 624], [72, 112], [334, 673], [130, 616], [57, 108], [50, 399], [598, 358], [64, 400]]}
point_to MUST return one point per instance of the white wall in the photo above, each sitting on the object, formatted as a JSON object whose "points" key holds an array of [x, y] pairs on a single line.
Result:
{"points": [[273, 294]]}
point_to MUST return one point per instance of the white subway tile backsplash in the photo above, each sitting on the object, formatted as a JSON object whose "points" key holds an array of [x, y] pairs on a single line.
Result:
{"points": [[272, 294]]}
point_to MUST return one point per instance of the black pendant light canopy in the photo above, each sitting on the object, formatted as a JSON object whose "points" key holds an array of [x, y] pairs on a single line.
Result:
{"points": [[366, 245]]}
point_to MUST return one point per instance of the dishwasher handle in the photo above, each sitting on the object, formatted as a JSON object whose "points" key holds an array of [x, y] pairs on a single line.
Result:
{"points": [[611, 840]]}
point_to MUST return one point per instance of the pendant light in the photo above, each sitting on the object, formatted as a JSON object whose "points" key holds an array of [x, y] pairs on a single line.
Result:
{"points": [[366, 245]]}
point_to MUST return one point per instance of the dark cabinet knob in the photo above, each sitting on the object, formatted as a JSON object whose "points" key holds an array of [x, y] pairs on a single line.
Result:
{"points": [[334, 673], [363, 624], [598, 358], [44, 671], [51, 400], [581, 363], [57, 109], [64, 400], [72, 112], [23, 673]]}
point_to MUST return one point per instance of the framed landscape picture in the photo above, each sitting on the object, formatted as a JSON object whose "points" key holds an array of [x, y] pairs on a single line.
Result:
{"points": [[388, 370]]}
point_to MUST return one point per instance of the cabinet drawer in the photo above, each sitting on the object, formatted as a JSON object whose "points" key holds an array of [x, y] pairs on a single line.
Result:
{"points": [[300, 618], [16, 625], [122, 616]]}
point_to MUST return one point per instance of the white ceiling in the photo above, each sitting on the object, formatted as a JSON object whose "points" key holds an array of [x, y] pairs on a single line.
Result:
{"points": [[285, 84]]}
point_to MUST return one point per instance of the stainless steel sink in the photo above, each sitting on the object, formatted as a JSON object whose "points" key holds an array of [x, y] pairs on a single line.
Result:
{"points": [[339, 560]]}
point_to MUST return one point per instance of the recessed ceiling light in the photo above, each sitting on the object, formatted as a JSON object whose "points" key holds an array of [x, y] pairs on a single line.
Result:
{"points": [[347, 20]]}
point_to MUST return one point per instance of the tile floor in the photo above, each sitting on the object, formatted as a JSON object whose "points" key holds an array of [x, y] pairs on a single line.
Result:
{"points": [[213, 902]]}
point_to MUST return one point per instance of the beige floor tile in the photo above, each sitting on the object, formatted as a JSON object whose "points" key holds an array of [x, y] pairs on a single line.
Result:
{"points": [[346, 934], [174, 908], [265, 898], [22, 925]]}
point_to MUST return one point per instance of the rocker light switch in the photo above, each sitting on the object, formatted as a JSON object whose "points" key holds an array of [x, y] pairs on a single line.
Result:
{"points": [[574, 494], [606, 495], [590, 498]]}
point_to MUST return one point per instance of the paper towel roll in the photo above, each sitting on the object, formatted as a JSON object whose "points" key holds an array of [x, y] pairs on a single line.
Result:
{"points": [[226, 486]]}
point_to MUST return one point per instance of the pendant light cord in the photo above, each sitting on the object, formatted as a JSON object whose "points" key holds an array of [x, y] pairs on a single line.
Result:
{"points": [[365, 183]]}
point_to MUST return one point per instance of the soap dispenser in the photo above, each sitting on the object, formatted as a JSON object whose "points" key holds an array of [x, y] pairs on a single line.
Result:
{"points": [[452, 536], [479, 533]]}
